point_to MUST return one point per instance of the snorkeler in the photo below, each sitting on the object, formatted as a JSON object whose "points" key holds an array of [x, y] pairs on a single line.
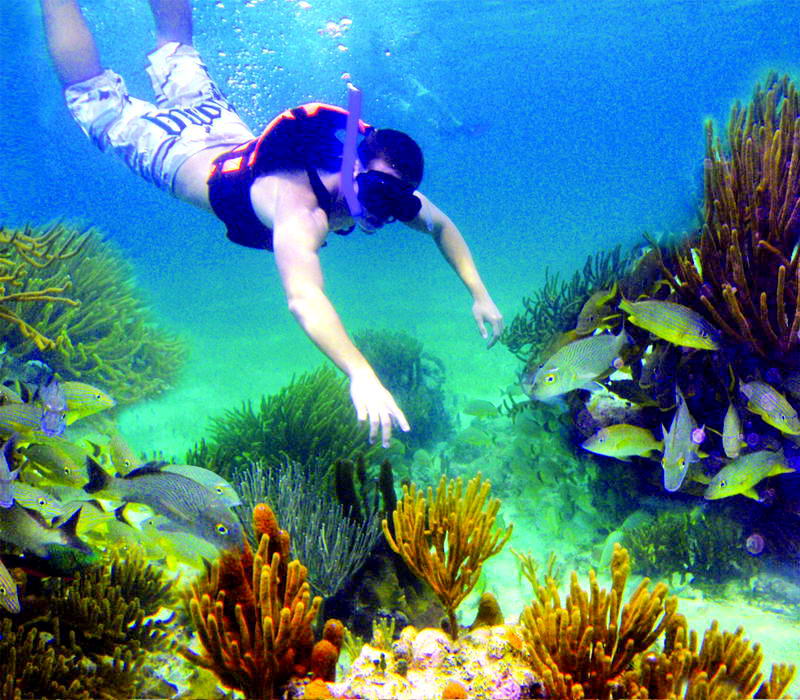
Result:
{"points": [[283, 191]]}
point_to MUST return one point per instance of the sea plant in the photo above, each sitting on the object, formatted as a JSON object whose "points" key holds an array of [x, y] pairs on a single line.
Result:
{"points": [[254, 617], [309, 422], [446, 537], [707, 546], [89, 636], [742, 269]]}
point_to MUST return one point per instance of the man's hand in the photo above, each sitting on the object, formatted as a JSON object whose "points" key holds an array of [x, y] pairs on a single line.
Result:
{"points": [[484, 311], [375, 404]]}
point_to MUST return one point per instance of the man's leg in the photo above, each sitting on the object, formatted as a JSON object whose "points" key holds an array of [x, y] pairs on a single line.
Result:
{"points": [[70, 42], [173, 21]]}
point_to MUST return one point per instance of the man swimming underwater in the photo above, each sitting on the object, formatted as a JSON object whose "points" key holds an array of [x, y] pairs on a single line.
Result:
{"points": [[284, 191]]}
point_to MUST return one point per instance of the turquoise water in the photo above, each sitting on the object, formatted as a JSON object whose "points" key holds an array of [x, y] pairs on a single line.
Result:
{"points": [[551, 130]]}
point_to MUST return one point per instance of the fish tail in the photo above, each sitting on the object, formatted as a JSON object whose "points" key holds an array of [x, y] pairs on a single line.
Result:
{"points": [[99, 479], [70, 529], [119, 514]]}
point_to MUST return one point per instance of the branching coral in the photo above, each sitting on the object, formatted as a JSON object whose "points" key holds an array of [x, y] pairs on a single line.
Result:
{"points": [[324, 533], [747, 278], [445, 538], [596, 647], [254, 616], [310, 421], [22, 254], [103, 334]]}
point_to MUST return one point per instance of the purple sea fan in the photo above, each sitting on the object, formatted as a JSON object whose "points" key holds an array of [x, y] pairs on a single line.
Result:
{"points": [[755, 544]]}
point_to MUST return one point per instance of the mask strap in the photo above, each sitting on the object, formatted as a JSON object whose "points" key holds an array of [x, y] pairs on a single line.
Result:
{"points": [[349, 151]]}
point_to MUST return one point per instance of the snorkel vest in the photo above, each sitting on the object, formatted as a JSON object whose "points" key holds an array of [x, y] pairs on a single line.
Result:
{"points": [[303, 138]]}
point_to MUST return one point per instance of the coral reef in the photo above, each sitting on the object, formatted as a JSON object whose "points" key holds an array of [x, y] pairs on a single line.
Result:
{"points": [[485, 664], [103, 334], [415, 379], [746, 277], [310, 421], [445, 538], [597, 647], [254, 616], [88, 637]]}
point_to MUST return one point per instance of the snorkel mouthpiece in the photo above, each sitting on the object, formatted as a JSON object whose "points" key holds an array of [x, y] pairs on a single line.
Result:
{"points": [[349, 152]]}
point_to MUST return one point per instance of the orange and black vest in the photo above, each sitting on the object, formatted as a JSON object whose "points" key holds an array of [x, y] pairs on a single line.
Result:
{"points": [[303, 138]]}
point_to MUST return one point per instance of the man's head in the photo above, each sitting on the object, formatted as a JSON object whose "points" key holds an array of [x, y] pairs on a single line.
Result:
{"points": [[396, 149], [393, 165]]}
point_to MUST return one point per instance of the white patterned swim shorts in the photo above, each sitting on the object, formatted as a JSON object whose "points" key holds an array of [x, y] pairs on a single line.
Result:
{"points": [[190, 115]]}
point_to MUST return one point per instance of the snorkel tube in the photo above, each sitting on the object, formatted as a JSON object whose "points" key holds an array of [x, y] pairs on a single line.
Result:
{"points": [[349, 152]]}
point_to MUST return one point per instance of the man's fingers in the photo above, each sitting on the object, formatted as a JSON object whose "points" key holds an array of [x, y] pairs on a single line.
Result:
{"points": [[386, 429], [373, 430]]}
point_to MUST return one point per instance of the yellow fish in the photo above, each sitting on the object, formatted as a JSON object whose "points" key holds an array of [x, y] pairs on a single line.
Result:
{"points": [[595, 311], [743, 473], [84, 400], [771, 405], [674, 323], [622, 441], [59, 460]]}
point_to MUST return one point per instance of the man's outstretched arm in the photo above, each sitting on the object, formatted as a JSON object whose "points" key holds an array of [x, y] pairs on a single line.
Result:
{"points": [[456, 251], [295, 247], [70, 42]]}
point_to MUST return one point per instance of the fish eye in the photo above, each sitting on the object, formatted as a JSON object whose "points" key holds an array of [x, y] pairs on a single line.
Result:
{"points": [[221, 529], [3, 590], [218, 489], [723, 483], [67, 470], [42, 501], [681, 460], [550, 378]]}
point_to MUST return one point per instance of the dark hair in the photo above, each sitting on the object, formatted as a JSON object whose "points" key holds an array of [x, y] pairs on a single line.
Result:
{"points": [[398, 149]]}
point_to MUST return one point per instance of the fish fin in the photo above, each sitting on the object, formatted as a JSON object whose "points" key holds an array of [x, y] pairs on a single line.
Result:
{"points": [[781, 469], [99, 478], [70, 526], [751, 493], [147, 468]]}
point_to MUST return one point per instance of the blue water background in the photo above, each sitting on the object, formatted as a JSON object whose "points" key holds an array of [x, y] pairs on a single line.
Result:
{"points": [[551, 129]]}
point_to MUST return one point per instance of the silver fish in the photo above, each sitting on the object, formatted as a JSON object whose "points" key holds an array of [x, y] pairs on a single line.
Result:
{"points": [[188, 504], [576, 365], [54, 408], [679, 448]]}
